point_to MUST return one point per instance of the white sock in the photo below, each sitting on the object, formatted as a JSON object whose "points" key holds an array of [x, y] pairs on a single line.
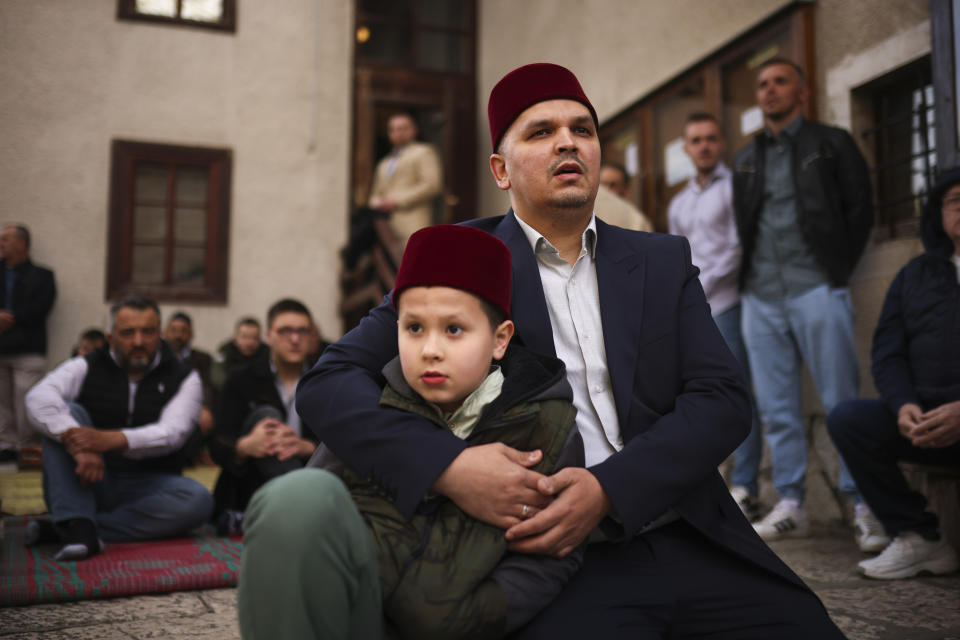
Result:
{"points": [[76, 551]]}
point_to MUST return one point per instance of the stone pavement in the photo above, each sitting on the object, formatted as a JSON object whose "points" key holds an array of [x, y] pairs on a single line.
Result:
{"points": [[925, 608]]}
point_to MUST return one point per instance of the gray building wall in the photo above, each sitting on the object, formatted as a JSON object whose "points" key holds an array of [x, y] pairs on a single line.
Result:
{"points": [[277, 92]]}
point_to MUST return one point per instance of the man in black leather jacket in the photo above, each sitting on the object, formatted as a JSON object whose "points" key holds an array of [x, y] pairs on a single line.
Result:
{"points": [[803, 205]]}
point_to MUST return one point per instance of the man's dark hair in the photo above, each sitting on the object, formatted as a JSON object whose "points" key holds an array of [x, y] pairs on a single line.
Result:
{"points": [[181, 315], [781, 60], [133, 301], [619, 167], [22, 232], [90, 335], [402, 113], [701, 116], [93, 334], [250, 320], [287, 305]]}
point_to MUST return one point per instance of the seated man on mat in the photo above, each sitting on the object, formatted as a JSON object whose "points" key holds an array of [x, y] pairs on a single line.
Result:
{"points": [[258, 435], [113, 425]]}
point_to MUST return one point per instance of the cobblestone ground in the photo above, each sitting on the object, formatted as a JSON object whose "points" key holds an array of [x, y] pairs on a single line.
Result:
{"points": [[925, 608]]}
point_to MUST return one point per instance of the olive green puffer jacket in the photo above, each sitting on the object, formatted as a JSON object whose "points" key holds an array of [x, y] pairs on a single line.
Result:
{"points": [[444, 574]]}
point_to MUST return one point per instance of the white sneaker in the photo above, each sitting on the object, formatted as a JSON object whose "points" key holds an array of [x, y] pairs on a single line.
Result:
{"points": [[869, 532], [908, 555], [749, 505], [787, 520]]}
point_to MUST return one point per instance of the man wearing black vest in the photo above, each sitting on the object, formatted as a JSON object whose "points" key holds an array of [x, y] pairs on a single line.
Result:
{"points": [[113, 424]]}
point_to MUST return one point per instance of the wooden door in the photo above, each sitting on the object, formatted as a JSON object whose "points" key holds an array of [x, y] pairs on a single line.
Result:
{"points": [[443, 107]]}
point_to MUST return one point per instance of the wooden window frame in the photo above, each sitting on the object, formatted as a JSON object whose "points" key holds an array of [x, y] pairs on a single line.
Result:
{"points": [[945, 53], [127, 10], [873, 128], [416, 27], [125, 154], [796, 18]]}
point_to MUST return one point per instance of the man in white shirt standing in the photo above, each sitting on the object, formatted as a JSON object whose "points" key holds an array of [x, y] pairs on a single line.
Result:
{"points": [[113, 424], [703, 213]]}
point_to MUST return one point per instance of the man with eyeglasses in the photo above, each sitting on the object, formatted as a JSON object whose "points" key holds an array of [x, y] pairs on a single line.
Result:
{"points": [[258, 434], [916, 369]]}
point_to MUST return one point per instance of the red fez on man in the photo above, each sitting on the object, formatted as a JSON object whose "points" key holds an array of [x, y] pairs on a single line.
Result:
{"points": [[527, 85]]}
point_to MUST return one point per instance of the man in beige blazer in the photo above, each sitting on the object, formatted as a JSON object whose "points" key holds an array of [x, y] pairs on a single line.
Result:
{"points": [[407, 179]]}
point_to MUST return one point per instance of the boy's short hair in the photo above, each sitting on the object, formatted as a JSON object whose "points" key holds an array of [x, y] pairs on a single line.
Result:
{"points": [[495, 315]]}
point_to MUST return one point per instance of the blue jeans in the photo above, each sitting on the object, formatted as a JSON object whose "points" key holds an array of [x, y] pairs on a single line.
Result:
{"points": [[815, 328], [746, 458], [125, 505]]}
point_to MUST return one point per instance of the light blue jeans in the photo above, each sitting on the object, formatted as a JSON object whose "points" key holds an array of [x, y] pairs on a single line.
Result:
{"points": [[124, 505], [815, 328], [746, 458]]}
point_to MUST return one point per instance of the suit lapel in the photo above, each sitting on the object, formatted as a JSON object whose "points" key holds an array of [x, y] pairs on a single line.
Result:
{"points": [[528, 306], [620, 280]]}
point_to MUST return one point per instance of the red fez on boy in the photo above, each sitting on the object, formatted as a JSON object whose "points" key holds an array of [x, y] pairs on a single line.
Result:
{"points": [[527, 85], [451, 255]]}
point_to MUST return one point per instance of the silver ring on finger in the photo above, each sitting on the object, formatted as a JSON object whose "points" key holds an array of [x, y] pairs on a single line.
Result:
{"points": [[525, 511]]}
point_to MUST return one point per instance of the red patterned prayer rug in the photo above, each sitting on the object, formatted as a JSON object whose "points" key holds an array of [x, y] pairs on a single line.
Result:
{"points": [[30, 575]]}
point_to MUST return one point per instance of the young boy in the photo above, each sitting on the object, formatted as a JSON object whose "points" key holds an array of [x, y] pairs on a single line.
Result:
{"points": [[444, 574]]}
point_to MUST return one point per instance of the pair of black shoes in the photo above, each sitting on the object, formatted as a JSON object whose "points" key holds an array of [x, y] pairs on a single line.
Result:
{"points": [[79, 534]]}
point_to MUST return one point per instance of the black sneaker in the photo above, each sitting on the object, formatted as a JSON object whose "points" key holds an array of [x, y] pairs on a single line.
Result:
{"points": [[230, 523], [80, 536], [748, 504], [41, 531]]}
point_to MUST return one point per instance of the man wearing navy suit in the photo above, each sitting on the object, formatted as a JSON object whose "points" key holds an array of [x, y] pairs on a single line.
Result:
{"points": [[660, 403]]}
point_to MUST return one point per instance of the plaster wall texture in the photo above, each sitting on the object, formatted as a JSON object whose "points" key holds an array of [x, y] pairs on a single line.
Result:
{"points": [[857, 44], [276, 92], [619, 49], [845, 30]]}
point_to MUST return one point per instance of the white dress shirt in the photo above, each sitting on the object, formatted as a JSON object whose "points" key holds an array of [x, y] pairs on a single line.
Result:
{"points": [[48, 411], [704, 215], [573, 303]]}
